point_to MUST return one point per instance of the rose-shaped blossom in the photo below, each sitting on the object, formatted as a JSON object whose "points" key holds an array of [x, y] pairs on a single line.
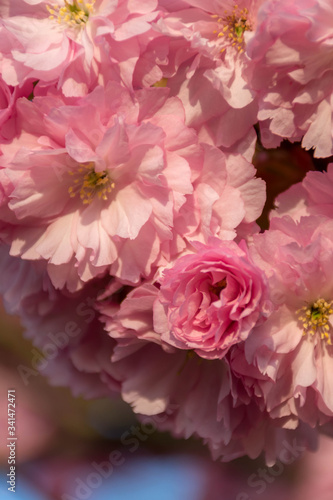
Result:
{"points": [[292, 52], [75, 43], [99, 183], [293, 350], [184, 393], [211, 300]]}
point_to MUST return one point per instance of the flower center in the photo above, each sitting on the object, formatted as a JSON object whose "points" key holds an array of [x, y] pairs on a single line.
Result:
{"points": [[90, 184], [73, 14], [216, 288], [161, 83], [231, 27], [315, 319]]}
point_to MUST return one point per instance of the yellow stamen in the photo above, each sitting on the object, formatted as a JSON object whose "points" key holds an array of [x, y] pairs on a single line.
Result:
{"points": [[90, 184], [315, 319], [72, 14], [233, 25], [161, 83]]}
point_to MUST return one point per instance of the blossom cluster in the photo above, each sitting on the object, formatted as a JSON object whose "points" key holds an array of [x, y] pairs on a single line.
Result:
{"points": [[129, 201]]}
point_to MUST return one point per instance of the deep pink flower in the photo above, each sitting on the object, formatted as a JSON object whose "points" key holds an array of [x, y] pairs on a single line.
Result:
{"points": [[211, 300]]}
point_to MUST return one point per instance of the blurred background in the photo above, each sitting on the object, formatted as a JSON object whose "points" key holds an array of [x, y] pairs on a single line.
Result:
{"points": [[72, 449]]}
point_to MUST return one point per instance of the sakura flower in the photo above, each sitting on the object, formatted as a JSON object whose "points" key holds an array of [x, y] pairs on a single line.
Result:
{"points": [[7, 100], [228, 196], [210, 300], [292, 52], [97, 186], [202, 57], [314, 195], [69, 42], [218, 33], [8, 97], [293, 349], [184, 393]]}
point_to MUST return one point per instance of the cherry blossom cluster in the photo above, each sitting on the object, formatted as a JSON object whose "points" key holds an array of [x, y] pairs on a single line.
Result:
{"points": [[129, 201]]}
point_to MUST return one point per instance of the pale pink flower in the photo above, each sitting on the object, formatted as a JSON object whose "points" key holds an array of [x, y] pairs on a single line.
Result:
{"points": [[217, 33], [314, 195], [201, 54], [319, 190], [293, 350], [69, 42], [8, 97], [292, 51], [227, 195], [98, 185], [7, 100], [211, 300]]}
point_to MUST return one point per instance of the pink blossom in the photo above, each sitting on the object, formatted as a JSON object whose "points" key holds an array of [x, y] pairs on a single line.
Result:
{"points": [[227, 195], [314, 195], [73, 42], [8, 97], [293, 349], [207, 29], [7, 100], [210, 300], [185, 394], [201, 54], [210, 114], [76, 173], [292, 50]]}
